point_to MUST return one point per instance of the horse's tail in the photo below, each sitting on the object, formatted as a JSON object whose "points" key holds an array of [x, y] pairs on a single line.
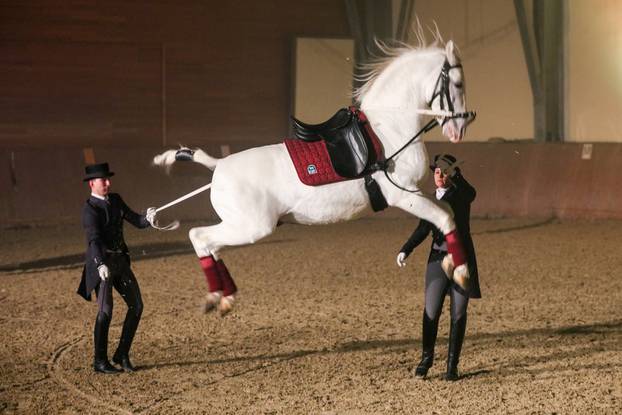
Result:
{"points": [[169, 157]]}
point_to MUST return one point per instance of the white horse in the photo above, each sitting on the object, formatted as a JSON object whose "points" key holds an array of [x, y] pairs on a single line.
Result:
{"points": [[251, 191]]}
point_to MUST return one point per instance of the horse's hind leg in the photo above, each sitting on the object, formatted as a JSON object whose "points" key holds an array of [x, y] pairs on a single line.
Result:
{"points": [[221, 287], [207, 241]]}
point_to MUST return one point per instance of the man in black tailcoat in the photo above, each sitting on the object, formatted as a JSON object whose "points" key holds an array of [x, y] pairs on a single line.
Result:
{"points": [[107, 265]]}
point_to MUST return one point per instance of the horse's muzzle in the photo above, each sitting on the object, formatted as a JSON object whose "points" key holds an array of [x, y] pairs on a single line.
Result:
{"points": [[454, 132]]}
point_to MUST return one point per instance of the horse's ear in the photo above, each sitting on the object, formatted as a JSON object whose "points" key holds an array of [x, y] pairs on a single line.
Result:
{"points": [[450, 52]]}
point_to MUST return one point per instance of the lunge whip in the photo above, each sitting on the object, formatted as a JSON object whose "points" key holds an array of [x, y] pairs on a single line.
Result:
{"points": [[175, 224]]}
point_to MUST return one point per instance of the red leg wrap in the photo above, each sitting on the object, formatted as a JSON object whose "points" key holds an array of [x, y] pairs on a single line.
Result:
{"points": [[455, 248], [228, 286], [212, 276]]}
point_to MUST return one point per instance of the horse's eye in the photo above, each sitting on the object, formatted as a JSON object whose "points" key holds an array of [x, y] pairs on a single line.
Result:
{"points": [[459, 85]]}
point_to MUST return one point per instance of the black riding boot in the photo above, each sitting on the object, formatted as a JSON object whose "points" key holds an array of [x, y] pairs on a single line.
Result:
{"points": [[100, 340], [122, 355], [430, 329], [456, 337]]}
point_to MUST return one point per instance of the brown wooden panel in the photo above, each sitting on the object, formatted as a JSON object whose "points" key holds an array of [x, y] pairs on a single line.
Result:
{"points": [[88, 72], [512, 180], [61, 93]]}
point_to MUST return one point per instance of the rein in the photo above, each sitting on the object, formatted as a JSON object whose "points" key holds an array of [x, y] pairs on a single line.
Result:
{"points": [[384, 164]]}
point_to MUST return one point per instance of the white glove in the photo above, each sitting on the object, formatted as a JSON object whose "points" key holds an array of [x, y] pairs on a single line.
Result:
{"points": [[401, 259], [103, 271], [150, 215]]}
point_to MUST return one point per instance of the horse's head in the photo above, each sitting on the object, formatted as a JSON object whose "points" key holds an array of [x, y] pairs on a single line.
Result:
{"points": [[448, 94], [412, 81]]}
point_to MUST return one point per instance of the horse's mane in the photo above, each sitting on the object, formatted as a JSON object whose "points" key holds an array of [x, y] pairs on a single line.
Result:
{"points": [[369, 72]]}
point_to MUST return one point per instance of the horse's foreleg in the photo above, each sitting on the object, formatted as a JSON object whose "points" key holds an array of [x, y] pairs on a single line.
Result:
{"points": [[207, 241], [425, 208]]}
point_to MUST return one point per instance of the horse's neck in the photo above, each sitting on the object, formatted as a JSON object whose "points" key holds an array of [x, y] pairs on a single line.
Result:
{"points": [[392, 101]]}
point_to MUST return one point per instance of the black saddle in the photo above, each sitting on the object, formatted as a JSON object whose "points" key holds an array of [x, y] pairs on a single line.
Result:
{"points": [[349, 147]]}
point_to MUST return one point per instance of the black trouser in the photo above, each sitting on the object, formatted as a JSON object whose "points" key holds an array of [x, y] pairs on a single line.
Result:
{"points": [[123, 280], [437, 285]]}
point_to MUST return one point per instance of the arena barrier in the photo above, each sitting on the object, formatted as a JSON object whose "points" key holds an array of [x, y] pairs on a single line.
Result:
{"points": [[43, 186]]}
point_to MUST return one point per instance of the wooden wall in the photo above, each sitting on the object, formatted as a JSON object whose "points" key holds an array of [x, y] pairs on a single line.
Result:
{"points": [[89, 72], [513, 179]]}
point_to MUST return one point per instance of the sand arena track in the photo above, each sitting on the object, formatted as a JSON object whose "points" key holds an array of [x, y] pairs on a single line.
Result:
{"points": [[326, 324]]}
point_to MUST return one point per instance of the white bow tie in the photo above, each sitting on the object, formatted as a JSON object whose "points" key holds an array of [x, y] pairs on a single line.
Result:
{"points": [[440, 192]]}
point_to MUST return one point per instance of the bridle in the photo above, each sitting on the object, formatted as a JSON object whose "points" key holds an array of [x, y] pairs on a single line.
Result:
{"points": [[441, 90]]}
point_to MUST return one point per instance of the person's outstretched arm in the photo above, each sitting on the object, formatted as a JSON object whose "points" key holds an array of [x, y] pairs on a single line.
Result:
{"points": [[421, 232], [140, 221]]}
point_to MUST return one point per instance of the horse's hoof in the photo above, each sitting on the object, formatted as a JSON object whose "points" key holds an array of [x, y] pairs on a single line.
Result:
{"points": [[212, 300], [461, 276], [448, 265], [226, 305]]}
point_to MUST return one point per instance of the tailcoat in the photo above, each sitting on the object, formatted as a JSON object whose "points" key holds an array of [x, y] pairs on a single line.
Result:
{"points": [[102, 221], [459, 196]]}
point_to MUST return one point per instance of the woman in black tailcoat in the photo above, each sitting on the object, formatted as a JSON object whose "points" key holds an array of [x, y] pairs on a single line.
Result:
{"points": [[453, 189]]}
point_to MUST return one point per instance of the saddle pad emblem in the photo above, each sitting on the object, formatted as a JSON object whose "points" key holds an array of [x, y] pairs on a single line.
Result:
{"points": [[311, 161]]}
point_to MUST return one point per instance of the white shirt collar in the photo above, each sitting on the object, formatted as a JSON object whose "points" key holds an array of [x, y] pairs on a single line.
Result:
{"points": [[99, 197], [440, 192]]}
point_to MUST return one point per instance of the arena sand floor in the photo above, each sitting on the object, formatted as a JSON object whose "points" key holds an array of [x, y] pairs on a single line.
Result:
{"points": [[326, 324]]}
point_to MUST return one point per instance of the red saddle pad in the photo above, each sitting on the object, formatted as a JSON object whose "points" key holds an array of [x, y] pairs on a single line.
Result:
{"points": [[312, 162]]}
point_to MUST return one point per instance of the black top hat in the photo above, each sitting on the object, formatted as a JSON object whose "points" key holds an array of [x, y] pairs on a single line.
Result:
{"points": [[443, 161], [96, 171]]}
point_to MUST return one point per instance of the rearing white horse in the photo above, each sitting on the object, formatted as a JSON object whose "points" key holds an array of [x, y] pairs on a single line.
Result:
{"points": [[254, 189]]}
